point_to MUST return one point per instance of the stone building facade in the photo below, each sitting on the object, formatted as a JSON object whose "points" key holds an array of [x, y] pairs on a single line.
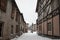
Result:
{"points": [[10, 19], [15, 20], [48, 17], [22, 24], [26, 27], [33, 27]]}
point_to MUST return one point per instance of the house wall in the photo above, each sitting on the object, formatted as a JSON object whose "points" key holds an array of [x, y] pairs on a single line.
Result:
{"points": [[48, 11]]}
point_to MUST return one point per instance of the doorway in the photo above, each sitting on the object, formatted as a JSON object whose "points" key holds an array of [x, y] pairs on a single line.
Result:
{"points": [[1, 25]]}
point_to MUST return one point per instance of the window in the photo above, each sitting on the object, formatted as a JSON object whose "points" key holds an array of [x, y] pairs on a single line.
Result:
{"points": [[42, 1], [49, 26], [13, 11], [17, 16], [11, 29], [3, 5], [40, 27], [49, 9], [17, 28], [45, 13]]}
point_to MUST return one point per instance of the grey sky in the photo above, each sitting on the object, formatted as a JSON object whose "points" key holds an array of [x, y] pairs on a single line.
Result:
{"points": [[28, 7]]}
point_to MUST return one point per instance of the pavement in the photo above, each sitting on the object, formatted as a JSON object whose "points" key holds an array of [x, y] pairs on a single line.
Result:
{"points": [[32, 36]]}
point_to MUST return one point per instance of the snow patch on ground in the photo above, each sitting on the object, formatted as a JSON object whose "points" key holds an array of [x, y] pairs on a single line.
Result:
{"points": [[32, 36]]}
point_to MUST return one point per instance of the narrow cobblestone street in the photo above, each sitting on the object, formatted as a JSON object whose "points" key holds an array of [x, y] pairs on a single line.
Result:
{"points": [[32, 36]]}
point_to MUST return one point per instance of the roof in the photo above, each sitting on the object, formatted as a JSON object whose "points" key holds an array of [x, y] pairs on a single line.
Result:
{"points": [[18, 10], [14, 2], [37, 5], [23, 17]]}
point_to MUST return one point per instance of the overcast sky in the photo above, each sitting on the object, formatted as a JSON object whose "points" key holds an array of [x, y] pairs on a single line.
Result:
{"points": [[28, 7]]}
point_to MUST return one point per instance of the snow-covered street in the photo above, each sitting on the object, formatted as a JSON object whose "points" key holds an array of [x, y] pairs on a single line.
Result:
{"points": [[32, 36]]}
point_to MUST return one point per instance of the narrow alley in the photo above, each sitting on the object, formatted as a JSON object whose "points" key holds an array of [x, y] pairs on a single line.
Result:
{"points": [[32, 36], [29, 19]]}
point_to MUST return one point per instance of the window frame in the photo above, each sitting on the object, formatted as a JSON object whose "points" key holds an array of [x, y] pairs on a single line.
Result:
{"points": [[11, 29], [49, 25], [13, 11]]}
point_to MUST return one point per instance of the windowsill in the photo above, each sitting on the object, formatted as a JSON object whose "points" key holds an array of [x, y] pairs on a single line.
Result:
{"points": [[0, 37], [49, 31]]}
